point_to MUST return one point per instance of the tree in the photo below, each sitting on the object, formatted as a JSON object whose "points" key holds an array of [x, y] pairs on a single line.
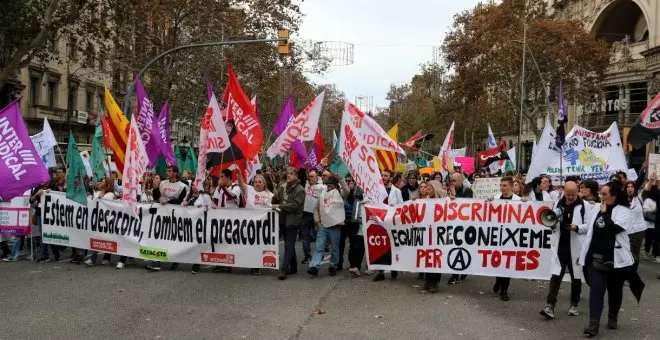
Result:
{"points": [[30, 26], [484, 51]]}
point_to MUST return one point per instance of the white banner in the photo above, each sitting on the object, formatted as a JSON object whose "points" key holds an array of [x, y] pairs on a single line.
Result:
{"points": [[229, 237], [462, 236], [585, 153], [485, 188]]}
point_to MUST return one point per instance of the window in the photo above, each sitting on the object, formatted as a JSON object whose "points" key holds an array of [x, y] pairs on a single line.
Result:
{"points": [[52, 94], [89, 100], [74, 95], [35, 86]]}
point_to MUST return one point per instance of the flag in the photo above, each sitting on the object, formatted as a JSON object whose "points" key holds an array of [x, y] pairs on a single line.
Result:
{"points": [[534, 149], [146, 124], [510, 164], [298, 155], [285, 117], [562, 117], [163, 125], [412, 141], [387, 159], [98, 153], [370, 132], [492, 143], [21, 167], [647, 127], [118, 128], [44, 142], [75, 178], [190, 163], [106, 130], [318, 146], [214, 139], [337, 166], [179, 158], [249, 136], [298, 128], [161, 166], [491, 155], [253, 164], [445, 158], [134, 167]]}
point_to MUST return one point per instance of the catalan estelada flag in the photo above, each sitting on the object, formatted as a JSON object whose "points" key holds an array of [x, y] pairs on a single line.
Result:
{"points": [[118, 128], [387, 159]]}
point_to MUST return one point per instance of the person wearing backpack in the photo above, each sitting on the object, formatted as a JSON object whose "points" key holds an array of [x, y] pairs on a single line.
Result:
{"points": [[566, 241]]}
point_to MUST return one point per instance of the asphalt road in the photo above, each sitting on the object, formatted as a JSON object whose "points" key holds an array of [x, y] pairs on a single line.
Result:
{"points": [[66, 301]]}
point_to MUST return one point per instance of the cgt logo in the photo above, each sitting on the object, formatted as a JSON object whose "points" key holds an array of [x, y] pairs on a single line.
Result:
{"points": [[218, 258], [158, 254], [103, 245], [269, 259]]}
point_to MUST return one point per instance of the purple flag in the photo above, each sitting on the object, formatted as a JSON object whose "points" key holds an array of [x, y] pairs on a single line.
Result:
{"points": [[299, 149], [286, 116], [145, 121], [163, 130], [21, 168]]}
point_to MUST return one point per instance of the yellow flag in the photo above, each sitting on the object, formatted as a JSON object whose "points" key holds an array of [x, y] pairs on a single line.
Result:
{"points": [[118, 125], [388, 159]]}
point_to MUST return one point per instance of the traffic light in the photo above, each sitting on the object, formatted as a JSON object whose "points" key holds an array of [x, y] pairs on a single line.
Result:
{"points": [[283, 47]]}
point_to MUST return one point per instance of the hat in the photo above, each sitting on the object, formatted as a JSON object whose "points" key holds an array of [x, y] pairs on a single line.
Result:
{"points": [[332, 180]]}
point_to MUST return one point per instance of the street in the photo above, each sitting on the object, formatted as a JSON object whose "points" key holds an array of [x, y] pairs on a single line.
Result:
{"points": [[67, 301]]}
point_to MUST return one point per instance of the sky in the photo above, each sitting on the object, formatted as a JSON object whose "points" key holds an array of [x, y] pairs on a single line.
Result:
{"points": [[391, 39]]}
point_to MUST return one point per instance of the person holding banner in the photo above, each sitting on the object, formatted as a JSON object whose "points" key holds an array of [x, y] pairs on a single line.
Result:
{"points": [[506, 193], [566, 242], [606, 256], [536, 192], [106, 191], [172, 191], [256, 197], [292, 201], [457, 189], [393, 198], [227, 195]]}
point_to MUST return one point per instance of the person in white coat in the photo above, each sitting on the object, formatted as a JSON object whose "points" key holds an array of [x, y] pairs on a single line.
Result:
{"points": [[606, 255], [394, 198], [537, 193], [566, 242]]}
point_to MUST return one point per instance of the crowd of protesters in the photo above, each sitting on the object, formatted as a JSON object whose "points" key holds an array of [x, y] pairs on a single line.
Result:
{"points": [[604, 230]]}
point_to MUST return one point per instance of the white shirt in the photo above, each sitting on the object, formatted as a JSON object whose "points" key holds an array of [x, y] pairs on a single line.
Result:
{"points": [[312, 193], [204, 200], [513, 198], [331, 208], [228, 197], [106, 196], [172, 190], [395, 197], [258, 199]]}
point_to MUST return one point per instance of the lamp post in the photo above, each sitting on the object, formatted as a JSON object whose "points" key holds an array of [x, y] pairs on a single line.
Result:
{"points": [[282, 39]]}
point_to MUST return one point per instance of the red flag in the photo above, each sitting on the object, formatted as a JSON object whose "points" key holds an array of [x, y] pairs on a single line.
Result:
{"points": [[410, 143], [106, 132], [249, 134], [319, 148], [486, 156]]}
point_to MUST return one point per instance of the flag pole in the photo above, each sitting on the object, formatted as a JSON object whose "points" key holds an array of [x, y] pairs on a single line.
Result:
{"points": [[61, 156]]}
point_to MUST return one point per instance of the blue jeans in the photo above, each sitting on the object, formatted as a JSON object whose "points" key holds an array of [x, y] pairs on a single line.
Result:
{"points": [[16, 248], [323, 236]]}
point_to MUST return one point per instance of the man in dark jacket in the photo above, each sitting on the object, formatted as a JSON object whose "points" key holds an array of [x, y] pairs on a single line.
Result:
{"points": [[292, 198]]}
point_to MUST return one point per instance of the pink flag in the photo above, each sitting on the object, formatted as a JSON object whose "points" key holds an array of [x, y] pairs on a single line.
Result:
{"points": [[135, 165]]}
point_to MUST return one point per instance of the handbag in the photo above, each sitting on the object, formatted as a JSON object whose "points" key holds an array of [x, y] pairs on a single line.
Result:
{"points": [[600, 264]]}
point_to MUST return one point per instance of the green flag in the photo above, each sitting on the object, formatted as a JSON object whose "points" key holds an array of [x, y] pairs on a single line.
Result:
{"points": [[338, 166], [97, 158], [179, 159], [75, 178], [160, 167], [191, 161]]}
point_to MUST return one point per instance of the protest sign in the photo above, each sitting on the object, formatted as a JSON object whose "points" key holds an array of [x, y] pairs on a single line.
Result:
{"points": [[486, 187], [654, 164], [467, 164], [461, 236], [15, 216], [229, 237], [585, 153]]}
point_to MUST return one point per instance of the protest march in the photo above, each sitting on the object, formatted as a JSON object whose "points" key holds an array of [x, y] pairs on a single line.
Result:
{"points": [[575, 216]]}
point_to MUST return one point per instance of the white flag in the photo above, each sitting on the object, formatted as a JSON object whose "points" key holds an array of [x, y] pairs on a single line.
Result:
{"points": [[303, 127], [370, 132], [49, 137], [512, 157], [136, 161], [217, 139], [446, 161]]}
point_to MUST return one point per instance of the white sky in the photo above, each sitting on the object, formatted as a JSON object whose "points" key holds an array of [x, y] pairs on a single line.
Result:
{"points": [[391, 39]]}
